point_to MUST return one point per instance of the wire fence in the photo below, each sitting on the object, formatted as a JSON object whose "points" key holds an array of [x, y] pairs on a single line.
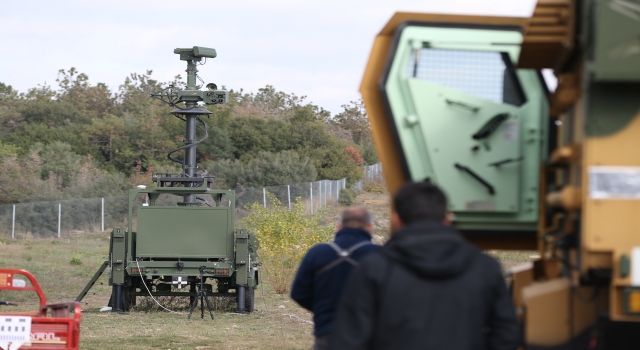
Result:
{"points": [[76, 216]]}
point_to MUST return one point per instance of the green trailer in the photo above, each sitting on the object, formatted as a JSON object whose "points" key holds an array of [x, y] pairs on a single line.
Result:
{"points": [[189, 248]]}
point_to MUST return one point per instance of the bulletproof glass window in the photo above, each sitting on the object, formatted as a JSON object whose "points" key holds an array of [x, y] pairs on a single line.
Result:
{"points": [[484, 74]]}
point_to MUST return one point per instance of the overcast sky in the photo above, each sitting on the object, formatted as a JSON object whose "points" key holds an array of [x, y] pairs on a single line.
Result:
{"points": [[307, 47]]}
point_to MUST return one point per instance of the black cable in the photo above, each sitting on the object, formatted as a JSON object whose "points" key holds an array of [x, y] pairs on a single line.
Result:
{"points": [[203, 199], [206, 135], [168, 94]]}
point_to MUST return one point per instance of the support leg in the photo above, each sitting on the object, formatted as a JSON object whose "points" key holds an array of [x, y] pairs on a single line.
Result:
{"points": [[117, 298], [241, 296], [193, 307], [92, 281], [206, 299]]}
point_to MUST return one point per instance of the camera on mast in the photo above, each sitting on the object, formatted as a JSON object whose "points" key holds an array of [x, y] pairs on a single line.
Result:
{"points": [[196, 53]]}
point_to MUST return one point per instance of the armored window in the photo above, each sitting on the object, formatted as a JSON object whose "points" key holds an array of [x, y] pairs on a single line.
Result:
{"points": [[485, 74]]}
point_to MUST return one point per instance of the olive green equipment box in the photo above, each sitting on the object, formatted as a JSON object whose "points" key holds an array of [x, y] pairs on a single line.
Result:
{"points": [[189, 248]]}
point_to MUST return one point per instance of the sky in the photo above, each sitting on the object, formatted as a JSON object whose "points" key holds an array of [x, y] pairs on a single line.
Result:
{"points": [[313, 48]]}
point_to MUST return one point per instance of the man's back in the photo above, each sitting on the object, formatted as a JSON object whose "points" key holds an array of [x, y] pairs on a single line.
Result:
{"points": [[319, 291], [426, 289]]}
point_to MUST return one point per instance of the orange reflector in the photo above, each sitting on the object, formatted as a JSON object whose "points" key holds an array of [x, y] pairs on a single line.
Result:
{"points": [[137, 271], [634, 301], [222, 271]]}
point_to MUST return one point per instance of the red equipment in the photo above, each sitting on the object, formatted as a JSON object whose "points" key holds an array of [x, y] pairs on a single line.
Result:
{"points": [[52, 326]]}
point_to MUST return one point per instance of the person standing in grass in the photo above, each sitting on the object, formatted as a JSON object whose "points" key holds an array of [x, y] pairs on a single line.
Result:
{"points": [[326, 267], [427, 288]]}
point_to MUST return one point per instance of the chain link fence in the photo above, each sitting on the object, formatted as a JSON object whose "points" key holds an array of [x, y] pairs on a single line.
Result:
{"points": [[76, 216]]}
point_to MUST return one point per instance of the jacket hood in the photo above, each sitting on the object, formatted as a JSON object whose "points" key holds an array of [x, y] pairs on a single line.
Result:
{"points": [[431, 250]]}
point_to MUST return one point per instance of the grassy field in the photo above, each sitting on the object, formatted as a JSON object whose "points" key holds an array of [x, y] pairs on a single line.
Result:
{"points": [[49, 260], [278, 322]]}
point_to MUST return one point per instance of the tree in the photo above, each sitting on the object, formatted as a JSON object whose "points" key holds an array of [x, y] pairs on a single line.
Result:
{"points": [[258, 139], [7, 92], [354, 119], [286, 167], [58, 159], [106, 135], [266, 169]]}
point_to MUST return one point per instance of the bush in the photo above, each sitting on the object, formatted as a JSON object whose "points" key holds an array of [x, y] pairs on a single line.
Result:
{"points": [[346, 196], [285, 237], [374, 188], [75, 261], [376, 185]]}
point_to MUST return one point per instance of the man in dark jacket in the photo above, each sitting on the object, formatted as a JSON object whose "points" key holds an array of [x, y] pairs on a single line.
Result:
{"points": [[326, 267], [427, 288]]}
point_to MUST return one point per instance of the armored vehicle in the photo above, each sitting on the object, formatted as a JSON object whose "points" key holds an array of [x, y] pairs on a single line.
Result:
{"points": [[173, 250], [458, 100]]}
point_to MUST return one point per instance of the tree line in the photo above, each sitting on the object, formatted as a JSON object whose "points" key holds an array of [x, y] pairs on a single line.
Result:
{"points": [[83, 140]]}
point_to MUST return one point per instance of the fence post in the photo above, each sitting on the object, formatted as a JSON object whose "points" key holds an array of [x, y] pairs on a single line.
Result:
{"points": [[325, 192], [102, 214], [59, 217], [13, 223], [311, 195], [320, 194], [289, 195], [264, 197], [330, 192]]}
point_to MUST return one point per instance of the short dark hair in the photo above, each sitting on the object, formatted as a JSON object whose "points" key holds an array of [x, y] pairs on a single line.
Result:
{"points": [[355, 217], [420, 201]]}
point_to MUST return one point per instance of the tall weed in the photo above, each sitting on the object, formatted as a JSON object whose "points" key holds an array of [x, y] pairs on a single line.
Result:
{"points": [[285, 237]]}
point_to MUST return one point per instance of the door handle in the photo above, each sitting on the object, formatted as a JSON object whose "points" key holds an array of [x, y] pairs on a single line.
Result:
{"points": [[490, 126], [463, 105], [505, 161]]}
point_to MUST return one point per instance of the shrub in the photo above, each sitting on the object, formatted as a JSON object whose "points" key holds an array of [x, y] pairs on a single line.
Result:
{"points": [[285, 237], [375, 185], [372, 187], [75, 261], [346, 196]]}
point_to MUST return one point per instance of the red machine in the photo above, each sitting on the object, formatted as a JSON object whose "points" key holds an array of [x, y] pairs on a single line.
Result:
{"points": [[52, 326]]}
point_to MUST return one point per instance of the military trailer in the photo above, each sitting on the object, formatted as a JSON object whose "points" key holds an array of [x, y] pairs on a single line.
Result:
{"points": [[173, 250]]}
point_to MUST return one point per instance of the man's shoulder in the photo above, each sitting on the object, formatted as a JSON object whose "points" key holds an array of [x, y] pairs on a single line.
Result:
{"points": [[322, 250], [319, 249]]}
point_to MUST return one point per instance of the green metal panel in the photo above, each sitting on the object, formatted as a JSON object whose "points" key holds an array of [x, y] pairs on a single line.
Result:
{"points": [[117, 255], [443, 122], [616, 40], [435, 124], [243, 262], [162, 232]]}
